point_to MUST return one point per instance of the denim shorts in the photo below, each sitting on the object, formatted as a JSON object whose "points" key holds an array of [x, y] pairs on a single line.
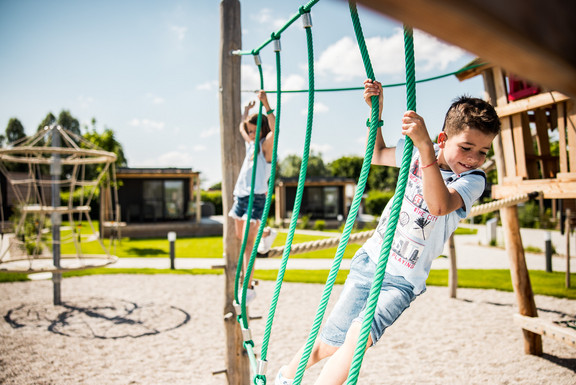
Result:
{"points": [[240, 207], [395, 297]]}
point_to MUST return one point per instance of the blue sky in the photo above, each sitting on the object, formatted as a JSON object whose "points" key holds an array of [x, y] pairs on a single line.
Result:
{"points": [[149, 71]]}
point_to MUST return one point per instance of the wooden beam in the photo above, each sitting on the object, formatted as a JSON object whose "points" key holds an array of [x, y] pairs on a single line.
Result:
{"points": [[520, 277], [531, 103], [533, 39], [546, 328], [551, 188], [562, 137], [571, 133]]}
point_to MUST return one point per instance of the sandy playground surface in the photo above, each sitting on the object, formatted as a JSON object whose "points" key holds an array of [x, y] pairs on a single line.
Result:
{"points": [[168, 329]]}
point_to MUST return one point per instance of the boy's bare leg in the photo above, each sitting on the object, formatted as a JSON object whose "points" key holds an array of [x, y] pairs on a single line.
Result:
{"points": [[336, 369], [250, 244], [320, 350]]}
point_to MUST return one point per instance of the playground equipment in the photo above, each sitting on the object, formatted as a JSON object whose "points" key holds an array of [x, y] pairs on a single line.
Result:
{"points": [[52, 163], [519, 272]]}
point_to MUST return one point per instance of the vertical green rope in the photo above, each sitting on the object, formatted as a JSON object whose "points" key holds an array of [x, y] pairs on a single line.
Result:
{"points": [[249, 212], [266, 338], [361, 185], [393, 219]]}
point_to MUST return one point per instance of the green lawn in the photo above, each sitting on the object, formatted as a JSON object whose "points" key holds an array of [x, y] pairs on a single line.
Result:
{"points": [[543, 283], [192, 247]]}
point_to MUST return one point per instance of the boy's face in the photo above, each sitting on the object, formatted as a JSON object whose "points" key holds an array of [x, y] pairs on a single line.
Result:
{"points": [[464, 151]]}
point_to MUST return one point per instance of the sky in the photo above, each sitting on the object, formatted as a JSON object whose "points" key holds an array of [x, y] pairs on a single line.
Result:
{"points": [[148, 70]]}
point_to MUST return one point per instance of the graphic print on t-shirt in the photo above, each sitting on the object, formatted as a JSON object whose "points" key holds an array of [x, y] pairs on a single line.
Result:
{"points": [[415, 223]]}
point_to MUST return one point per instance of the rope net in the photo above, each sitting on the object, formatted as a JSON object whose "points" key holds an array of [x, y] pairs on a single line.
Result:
{"points": [[39, 171]]}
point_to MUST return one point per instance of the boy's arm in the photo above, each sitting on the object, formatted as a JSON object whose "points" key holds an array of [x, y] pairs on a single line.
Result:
{"points": [[440, 199], [383, 155]]}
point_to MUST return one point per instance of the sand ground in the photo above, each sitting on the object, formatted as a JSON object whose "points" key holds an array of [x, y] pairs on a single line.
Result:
{"points": [[168, 329]]}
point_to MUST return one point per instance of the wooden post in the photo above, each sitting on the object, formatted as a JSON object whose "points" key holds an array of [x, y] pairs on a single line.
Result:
{"points": [[232, 151], [520, 277], [453, 271], [568, 229]]}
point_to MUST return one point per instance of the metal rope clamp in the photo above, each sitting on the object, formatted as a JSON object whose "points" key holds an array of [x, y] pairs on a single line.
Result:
{"points": [[262, 367], [277, 45], [257, 59], [246, 335], [237, 308], [306, 20]]}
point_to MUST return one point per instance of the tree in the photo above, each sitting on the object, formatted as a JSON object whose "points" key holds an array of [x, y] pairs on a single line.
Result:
{"points": [[290, 166], [383, 178], [346, 167], [68, 122], [49, 120], [14, 130], [107, 142]]}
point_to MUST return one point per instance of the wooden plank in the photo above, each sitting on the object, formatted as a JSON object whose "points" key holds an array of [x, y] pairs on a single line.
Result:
{"points": [[562, 137], [571, 133], [533, 39], [522, 144], [508, 147], [495, 86], [531, 103], [551, 188], [520, 277], [547, 329], [543, 142]]}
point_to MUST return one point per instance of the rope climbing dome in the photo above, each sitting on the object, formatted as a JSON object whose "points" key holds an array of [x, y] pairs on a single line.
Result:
{"points": [[35, 244]]}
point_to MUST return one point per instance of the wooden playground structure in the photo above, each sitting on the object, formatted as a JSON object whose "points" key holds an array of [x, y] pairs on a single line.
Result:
{"points": [[534, 44]]}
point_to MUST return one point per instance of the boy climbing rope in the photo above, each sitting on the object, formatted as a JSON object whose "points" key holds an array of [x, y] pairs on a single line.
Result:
{"points": [[243, 184], [443, 183]]}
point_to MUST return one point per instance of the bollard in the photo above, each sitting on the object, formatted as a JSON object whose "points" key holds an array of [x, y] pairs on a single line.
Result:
{"points": [[548, 244], [172, 239], [491, 231]]}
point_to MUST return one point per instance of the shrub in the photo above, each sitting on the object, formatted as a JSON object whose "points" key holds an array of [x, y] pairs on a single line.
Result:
{"points": [[320, 225], [376, 201], [215, 197]]}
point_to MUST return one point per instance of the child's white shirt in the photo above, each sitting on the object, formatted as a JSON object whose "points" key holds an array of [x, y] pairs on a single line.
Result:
{"points": [[420, 236]]}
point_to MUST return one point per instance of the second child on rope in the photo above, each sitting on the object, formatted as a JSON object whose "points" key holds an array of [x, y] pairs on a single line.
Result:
{"points": [[443, 183], [242, 188]]}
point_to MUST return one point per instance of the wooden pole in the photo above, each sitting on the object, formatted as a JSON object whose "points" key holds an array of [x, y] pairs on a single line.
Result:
{"points": [[520, 277], [568, 229], [232, 151], [453, 271]]}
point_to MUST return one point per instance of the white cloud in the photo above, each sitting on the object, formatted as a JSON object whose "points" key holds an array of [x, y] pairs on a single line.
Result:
{"points": [[264, 16], [320, 148], [85, 101], [208, 132], [207, 86], [343, 62], [154, 99], [318, 109], [147, 124], [169, 159], [199, 148], [179, 31]]}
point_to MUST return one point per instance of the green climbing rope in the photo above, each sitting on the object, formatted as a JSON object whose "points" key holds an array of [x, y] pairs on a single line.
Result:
{"points": [[351, 216], [393, 219], [391, 85]]}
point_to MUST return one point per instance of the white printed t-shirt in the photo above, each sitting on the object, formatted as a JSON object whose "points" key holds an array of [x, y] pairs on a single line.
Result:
{"points": [[420, 236]]}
